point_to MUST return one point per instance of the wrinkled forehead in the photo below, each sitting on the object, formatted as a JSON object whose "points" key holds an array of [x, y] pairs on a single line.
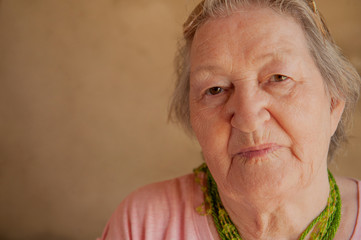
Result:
{"points": [[248, 33], [246, 21]]}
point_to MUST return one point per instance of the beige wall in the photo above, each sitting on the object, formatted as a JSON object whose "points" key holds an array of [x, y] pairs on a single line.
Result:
{"points": [[84, 88]]}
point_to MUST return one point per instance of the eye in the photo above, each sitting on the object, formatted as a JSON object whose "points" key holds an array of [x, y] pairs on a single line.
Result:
{"points": [[214, 90], [279, 78]]}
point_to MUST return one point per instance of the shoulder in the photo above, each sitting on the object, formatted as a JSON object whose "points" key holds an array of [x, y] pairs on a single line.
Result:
{"points": [[357, 231], [350, 215], [160, 196], [155, 211], [177, 189]]}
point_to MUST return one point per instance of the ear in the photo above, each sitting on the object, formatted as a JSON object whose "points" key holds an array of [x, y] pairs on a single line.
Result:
{"points": [[336, 110]]}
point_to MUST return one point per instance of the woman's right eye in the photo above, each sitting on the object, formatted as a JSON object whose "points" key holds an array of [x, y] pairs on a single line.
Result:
{"points": [[214, 90]]}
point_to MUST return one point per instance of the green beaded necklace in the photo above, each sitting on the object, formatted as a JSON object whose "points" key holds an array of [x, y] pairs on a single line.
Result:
{"points": [[324, 225]]}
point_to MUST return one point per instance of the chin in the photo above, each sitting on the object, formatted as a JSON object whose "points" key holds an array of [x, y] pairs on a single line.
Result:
{"points": [[264, 177]]}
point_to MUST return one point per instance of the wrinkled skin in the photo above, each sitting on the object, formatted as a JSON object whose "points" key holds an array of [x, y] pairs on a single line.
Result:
{"points": [[260, 112]]}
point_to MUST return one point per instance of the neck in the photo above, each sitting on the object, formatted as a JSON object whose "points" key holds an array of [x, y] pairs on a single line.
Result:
{"points": [[282, 217]]}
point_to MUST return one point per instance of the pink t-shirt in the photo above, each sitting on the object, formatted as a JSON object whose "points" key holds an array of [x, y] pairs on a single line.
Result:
{"points": [[166, 211]]}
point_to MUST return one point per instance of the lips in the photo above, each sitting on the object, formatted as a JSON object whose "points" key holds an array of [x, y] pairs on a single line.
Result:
{"points": [[257, 151]]}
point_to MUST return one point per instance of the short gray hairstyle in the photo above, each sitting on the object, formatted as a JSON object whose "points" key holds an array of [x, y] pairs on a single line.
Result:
{"points": [[341, 79]]}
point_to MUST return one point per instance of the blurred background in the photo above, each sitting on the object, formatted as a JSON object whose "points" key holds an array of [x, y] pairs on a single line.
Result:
{"points": [[84, 89]]}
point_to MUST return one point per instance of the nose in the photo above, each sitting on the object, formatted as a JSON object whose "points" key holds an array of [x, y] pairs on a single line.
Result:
{"points": [[248, 109]]}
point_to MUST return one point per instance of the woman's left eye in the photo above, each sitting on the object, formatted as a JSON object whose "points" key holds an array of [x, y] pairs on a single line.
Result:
{"points": [[214, 91], [278, 78]]}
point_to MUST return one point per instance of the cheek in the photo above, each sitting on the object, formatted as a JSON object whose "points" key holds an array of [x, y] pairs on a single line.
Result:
{"points": [[212, 129], [306, 119]]}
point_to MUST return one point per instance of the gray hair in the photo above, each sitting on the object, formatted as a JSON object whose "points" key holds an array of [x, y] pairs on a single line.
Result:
{"points": [[341, 78]]}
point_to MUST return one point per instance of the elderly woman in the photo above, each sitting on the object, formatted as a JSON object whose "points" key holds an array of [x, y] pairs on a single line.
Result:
{"points": [[268, 95]]}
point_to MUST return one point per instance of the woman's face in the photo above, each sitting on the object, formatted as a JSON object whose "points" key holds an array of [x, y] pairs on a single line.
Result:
{"points": [[258, 104]]}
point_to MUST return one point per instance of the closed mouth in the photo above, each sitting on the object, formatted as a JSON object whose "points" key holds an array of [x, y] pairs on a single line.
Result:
{"points": [[258, 151]]}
